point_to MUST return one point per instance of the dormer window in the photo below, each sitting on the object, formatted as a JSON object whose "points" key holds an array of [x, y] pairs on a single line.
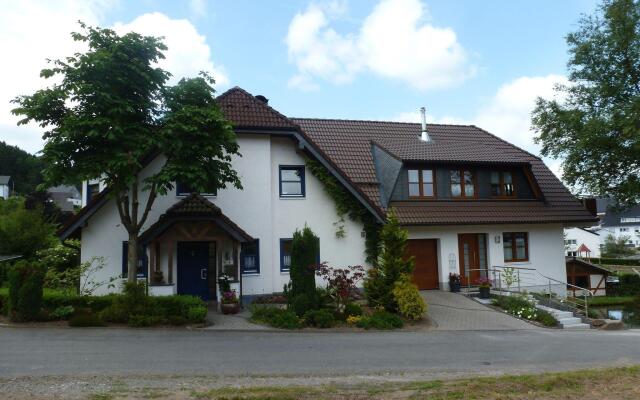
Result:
{"points": [[502, 184], [462, 183], [421, 183]]}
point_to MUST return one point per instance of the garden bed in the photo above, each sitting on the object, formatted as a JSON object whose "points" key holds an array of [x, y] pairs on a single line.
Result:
{"points": [[61, 308], [521, 308]]}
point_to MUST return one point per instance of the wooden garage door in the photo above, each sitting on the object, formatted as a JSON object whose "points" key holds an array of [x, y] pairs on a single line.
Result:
{"points": [[425, 251]]}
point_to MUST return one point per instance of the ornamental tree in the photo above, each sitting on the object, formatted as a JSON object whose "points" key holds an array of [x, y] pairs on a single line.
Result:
{"points": [[596, 128], [111, 112], [392, 264]]}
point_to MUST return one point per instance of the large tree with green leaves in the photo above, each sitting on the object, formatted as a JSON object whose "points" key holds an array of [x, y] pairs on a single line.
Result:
{"points": [[112, 111], [595, 123]]}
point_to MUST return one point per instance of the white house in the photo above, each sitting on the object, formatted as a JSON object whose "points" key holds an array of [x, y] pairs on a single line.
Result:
{"points": [[622, 223], [581, 242], [5, 186], [472, 203]]}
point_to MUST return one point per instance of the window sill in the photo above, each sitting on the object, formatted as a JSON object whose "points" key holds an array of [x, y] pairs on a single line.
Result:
{"points": [[292, 197], [182, 195], [251, 274], [527, 262], [284, 272]]}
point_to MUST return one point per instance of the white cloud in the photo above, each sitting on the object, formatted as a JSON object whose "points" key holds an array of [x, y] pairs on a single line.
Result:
{"points": [[507, 113], [33, 30], [188, 52], [393, 42]]}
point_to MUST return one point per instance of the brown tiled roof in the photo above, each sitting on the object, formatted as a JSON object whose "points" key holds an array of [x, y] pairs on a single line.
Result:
{"points": [[246, 111], [195, 207], [348, 144]]}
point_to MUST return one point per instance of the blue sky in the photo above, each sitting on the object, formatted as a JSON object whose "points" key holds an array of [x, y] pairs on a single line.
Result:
{"points": [[466, 61]]}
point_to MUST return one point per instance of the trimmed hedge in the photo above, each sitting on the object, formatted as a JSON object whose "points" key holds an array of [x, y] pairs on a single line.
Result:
{"points": [[25, 291], [614, 261], [629, 285], [172, 310]]}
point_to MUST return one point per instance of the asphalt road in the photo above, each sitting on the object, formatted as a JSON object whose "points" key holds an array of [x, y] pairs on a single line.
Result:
{"points": [[38, 352]]}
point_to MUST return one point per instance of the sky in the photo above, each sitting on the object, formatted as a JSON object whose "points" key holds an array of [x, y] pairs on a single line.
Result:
{"points": [[466, 61]]}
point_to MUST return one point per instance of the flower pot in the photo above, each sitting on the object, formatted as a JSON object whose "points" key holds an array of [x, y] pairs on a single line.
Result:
{"points": [[454, 287], [485, 292], [230, 308]]}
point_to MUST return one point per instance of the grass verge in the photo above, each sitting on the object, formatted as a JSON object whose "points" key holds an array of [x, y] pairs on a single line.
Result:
{"points": [[615, 383]]}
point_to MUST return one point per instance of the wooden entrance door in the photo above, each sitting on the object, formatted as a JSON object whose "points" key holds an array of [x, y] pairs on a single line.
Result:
{"points": [[472, 250], [425, 272]]}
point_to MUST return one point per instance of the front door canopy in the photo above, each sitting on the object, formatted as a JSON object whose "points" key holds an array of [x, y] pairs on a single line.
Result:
{"points": [[194, 208]]}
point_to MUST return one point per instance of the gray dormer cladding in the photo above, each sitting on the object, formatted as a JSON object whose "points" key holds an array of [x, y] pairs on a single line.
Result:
{"points": [[483, 182], [387, 172]]}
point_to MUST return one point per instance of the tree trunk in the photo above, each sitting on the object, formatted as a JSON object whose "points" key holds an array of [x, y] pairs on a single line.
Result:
{"points": [[132, 259]]}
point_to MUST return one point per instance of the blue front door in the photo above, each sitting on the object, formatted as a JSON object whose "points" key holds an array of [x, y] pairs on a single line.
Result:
{"points": [[193, 265]]}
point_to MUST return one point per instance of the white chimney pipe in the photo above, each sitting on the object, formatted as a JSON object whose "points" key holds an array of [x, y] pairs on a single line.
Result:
{"points": [[424, 136]]}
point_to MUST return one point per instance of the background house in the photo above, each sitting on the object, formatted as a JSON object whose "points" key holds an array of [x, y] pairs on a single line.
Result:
{"points": [[582, 242], [622, 223], [66, 197], [6, 186]]}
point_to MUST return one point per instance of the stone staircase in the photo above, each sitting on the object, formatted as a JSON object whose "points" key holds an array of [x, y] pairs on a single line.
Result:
{"points": [[565, 318]]}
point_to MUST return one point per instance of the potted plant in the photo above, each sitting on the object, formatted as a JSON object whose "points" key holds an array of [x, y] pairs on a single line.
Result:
{"points": [[229, 303], [485, 287], [454, 282]]}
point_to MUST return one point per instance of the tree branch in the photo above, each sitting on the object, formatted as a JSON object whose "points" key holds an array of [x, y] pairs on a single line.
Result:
{"points": [[150, 201]]}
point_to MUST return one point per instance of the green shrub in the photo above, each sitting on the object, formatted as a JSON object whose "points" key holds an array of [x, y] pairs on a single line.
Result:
{"points": [[320, 318], [143, 321], [197, 314], [25, 291], [302, 303], [410, 304], [86, 320], [301, 291], [276, 317], [115, 313], [352, 309], [381, 320], [546, 318], [392, 263], [63, 312]]}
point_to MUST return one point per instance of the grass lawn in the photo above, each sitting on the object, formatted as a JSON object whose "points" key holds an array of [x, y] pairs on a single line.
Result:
{"points": [[614, 383]]}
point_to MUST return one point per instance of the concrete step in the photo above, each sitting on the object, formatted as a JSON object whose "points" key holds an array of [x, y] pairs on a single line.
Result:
{"points": [[577, 326], [569, 321], [562, 314]]}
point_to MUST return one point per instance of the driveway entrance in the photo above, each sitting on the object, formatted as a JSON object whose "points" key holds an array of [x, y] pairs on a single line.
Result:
{"points": [[455, 312]]}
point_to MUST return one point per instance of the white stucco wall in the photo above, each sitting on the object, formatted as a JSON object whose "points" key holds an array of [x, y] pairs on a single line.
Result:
{"points": [[546, 251], [258, 209], [589, 239]]}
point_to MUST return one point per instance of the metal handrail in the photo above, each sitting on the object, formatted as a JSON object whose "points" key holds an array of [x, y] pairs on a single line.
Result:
{"points": [[586, 292]]}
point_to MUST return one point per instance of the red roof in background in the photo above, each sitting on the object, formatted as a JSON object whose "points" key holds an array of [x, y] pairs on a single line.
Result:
{"points": [[583, 249]]}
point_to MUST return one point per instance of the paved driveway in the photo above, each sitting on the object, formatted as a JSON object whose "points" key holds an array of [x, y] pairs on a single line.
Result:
{"points": [[455, 312]]}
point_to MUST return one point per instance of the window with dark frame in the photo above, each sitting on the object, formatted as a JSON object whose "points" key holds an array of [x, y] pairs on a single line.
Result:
{"points": [[142, 261], [285, 254], [462, 183], [292, 181], [183, 189], [502, 184], [250, 257], [515, 246], [421, 183]]}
